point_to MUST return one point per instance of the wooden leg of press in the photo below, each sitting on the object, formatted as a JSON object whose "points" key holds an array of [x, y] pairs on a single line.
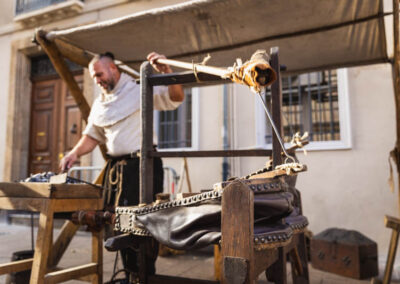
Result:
{"points": [[237, 236], [217, 263], [143, 269], [390, 260], [97, 256], [301, 277], [277, 272], [43, 244]]}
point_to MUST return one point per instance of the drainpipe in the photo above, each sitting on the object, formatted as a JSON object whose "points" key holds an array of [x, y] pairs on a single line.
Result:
{"points": [[225, 140]]}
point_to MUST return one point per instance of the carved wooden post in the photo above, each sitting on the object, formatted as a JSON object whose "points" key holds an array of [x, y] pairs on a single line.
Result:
{"points": [[237, 230], [146, 158]]}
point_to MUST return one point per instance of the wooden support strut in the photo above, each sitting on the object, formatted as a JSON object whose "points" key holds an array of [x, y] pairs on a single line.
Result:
{"points": [[146, 157], [62, 69], [396, 84], [276, 103]]}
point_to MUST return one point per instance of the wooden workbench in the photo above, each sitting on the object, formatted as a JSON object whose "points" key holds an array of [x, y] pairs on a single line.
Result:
{"points": [[48, 199]]}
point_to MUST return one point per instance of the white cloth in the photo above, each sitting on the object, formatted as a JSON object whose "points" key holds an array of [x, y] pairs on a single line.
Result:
{"points": [[115, 116]]}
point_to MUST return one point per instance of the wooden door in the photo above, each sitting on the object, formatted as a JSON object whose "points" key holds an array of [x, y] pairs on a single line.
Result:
{"points": [[56, 124]]}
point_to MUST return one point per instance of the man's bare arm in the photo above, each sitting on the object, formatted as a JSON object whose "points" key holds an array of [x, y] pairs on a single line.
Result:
{"points": [[176, 93], [85, 145]]}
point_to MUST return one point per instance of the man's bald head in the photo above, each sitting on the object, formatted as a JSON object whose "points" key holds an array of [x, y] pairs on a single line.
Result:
{"points": [[104, 71]]}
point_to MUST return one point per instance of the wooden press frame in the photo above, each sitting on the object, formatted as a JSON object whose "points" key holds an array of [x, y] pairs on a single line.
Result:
{"points": [[237, 200], [148, 80]]}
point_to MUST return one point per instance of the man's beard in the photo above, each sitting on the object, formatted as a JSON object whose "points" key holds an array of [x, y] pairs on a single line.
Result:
{"points": [[109, 86]]}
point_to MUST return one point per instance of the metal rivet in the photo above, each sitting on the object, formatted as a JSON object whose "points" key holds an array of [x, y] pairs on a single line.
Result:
{"points": [[259, 187], [256, 239], [263, 240]]}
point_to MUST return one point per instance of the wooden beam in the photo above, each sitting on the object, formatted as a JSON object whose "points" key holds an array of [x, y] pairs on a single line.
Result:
{"points": [[276, 108], [97, 256], [16, 266], [146, 120], [237, 232], [73, 53], [396, 85], [43, 243], [83, 57], [70, 273], [213, 153], [68, 231], [62, 69]]}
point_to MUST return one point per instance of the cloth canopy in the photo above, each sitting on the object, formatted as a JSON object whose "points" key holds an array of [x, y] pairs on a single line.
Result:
{"points": [[311, 34]]}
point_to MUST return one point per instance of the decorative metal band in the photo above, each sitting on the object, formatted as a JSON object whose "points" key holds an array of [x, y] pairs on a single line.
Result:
{"points": [[271, 237], [262, 246], [192, 200], [299, 227], [258, 185], [260, 171]]}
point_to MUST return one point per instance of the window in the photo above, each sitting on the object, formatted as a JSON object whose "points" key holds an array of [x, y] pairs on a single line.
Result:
{"points": [[24, 6], [175, 127], [317, 103]]}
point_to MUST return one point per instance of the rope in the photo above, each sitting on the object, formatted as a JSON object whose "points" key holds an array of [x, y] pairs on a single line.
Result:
{"points": [[297, 140], [118, 170]]}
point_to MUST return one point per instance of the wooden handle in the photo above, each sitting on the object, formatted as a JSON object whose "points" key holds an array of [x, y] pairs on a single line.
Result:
{"points": [[224, 73]]}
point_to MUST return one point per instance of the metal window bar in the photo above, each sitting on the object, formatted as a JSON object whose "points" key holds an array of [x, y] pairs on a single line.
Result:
{"points": [[310, 103], [24, 6], [175, 127]]}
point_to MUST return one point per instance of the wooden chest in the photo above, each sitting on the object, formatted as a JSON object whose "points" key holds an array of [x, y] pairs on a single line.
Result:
{"points": [[346, 253]]}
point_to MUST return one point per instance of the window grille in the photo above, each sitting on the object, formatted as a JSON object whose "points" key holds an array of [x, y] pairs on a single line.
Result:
{"points": [[309, 103], [175, 126], [42, 66]]}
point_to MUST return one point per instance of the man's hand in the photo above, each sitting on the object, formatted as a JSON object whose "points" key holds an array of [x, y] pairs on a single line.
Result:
{"points": [[68, 160], [163, 68]]}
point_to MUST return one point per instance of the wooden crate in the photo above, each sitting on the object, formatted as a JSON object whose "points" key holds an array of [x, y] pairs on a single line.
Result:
{"points": [[346, 253]]}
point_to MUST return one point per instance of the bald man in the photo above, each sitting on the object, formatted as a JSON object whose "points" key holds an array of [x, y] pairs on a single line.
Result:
{"points": [[114, 120]]}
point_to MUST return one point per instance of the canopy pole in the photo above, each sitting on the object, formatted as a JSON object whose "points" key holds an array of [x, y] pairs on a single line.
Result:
{"points": [[196, 67], [62, 69], [396, 83], [73, 53], [83, 57]]}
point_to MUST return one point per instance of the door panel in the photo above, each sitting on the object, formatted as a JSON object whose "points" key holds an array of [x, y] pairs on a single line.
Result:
{"points": [[70, 119], [56, 125]]}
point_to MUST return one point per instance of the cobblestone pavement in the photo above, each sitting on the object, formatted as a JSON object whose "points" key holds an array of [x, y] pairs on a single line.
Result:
{"points": [[197, 264]]}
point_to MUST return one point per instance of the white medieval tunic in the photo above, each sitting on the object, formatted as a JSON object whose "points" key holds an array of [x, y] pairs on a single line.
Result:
{"points": [[115, 117]]}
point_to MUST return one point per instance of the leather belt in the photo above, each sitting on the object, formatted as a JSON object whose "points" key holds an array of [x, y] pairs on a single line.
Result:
{"points": [[131, 155]]}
